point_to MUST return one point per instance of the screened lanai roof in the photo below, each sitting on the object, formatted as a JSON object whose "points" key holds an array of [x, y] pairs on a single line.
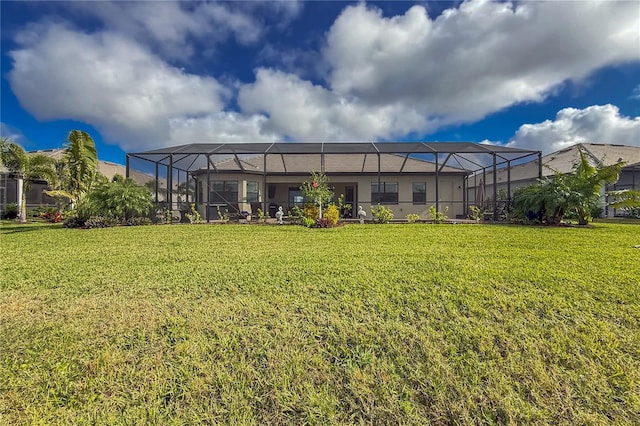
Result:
{"points": [[459, 155]]}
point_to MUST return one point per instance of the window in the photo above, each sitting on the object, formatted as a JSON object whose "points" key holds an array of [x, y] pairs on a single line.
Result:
{"points": [[224, 191], [252, 192], [295, 198], [419, 193], [386, 193]]}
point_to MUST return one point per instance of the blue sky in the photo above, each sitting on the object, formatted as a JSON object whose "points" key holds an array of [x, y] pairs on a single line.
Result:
{"points": [[142, 75]]}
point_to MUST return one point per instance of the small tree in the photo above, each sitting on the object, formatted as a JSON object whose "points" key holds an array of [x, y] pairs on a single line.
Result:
{"points": [[575, 194], [26, 168], [81, 160], [317, 189]]}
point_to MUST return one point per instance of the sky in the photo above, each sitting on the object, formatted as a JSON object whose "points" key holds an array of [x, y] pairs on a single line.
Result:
{"points": [[144, 75]]}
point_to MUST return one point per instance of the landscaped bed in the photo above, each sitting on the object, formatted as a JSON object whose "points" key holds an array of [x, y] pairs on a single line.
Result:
{"points": [[417, 323]]}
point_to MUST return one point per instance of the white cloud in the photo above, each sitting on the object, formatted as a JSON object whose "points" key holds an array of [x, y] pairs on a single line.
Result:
{"points": [[478, 59], [303, 111], [7, 131], [220, 127], [386, 77], [108, 81], [595, 124], [391, 76], [635, 94], [172, 27]]}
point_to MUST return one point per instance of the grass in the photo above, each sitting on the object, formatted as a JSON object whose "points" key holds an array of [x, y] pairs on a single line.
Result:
{"points": [[401, 324]]}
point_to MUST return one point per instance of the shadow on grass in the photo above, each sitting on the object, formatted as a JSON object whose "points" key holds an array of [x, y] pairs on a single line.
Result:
{"points": [[12, 227]]}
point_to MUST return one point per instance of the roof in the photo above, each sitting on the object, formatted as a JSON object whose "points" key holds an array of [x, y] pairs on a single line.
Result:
{"points": [[332, 163], [562, 161], [356, 157], [105, 168]]}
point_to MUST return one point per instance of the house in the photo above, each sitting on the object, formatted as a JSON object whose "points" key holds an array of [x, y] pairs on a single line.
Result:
{"points": [[36, 196], [407, 177], [481, 189]]}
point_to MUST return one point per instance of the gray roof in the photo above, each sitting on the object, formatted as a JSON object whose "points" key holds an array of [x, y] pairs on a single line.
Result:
{"points": [[563, 160], [331, 157]]}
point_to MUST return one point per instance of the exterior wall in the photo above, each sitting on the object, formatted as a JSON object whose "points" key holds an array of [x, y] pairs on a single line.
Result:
{"points": [[35, 196], [277, 192], [629, 179]]}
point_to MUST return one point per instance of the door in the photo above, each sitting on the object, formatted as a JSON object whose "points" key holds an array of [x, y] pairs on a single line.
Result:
{"points": [[349, 198]]}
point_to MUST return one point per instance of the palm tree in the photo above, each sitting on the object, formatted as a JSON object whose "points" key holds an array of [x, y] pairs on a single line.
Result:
{"points": [[81, 159], [585, 183], [26, 168], [572, 195]]}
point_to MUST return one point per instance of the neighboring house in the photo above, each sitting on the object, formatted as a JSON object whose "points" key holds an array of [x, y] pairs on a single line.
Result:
{"points": [[480, 189], [36, 196], [407, 177]]}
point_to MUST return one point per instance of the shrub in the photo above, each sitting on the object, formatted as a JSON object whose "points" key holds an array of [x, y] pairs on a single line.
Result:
{"points": [[95, 222], [412, 217], [223, 216], [119, 200], [436, 216], [74, 222], [50, 214], [381, 214], [262, 216], [343, 208], [331, 214], [101, 222], [633, 212], [310, 211], [138, 221], [308, 222], [193, 215], [296, 214], [324, 223], [566, 196], [11, 211], [56, 217], [475, 213]]}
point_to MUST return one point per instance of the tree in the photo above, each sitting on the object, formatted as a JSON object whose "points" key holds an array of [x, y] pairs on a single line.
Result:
{"points": [[26, 168], [584, 186], [81, 160], [566, 195], [317, 189]]}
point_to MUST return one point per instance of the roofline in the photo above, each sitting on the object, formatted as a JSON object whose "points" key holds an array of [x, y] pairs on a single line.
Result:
{"points": [[335, 148]]}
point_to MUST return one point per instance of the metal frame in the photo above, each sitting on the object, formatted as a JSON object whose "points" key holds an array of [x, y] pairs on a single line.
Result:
{"points": [[185, 157]]}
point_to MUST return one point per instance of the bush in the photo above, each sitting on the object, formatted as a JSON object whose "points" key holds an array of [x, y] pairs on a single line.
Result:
{"points": [[381, 214], [475, 213], [331, 214], [138, 221], [633, 212], [436, 216], [118, 200], [308, 222], [412, 217], [324, 223], [11, 211], [311, 211], [101, 222], [296, 215], [193, 215], [73, 222]]}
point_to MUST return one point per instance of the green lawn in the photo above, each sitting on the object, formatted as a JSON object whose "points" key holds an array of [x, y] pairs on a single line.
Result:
{"points": [[386, 324]]}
